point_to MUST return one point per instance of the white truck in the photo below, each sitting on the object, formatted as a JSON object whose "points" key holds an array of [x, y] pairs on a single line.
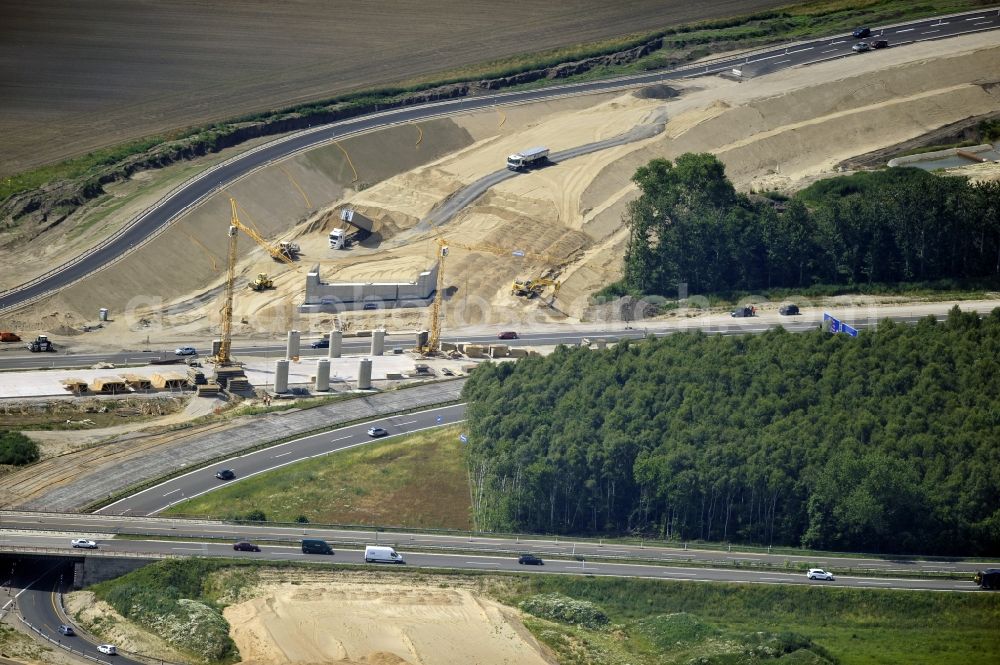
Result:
{"points": [[379, 554], [338, 239], [526, 159]]}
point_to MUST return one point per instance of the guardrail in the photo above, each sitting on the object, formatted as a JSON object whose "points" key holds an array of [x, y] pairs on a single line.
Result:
{"points": [[59, 643]]}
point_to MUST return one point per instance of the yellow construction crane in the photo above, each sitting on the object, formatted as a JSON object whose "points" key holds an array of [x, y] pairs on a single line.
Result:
{"points": [[235, 226], [434, 329]]}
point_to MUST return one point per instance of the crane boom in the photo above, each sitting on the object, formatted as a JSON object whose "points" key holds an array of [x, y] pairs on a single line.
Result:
{"points": [[227, 308], [434, 335]]}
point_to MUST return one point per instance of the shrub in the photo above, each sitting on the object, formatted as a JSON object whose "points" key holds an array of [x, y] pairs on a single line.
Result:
{"points": [[557, 607], [17, 449]]}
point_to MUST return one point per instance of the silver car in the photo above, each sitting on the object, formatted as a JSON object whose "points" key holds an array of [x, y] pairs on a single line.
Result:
{"points": [[819, 574], [84, 543]]}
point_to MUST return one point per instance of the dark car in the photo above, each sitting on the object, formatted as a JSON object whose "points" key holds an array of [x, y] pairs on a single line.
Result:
{"points": [[316, 546], [66, 630], [861, 33], [741, 312], [788, 310], [321, 343], [370, 305], [988, 579], [507, 334], [880, 43], [530, 560], [225, 474], [245, 546]]}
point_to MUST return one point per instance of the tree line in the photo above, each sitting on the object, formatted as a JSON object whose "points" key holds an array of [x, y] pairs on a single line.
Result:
{"points": [[689, 225], [884, 443]]}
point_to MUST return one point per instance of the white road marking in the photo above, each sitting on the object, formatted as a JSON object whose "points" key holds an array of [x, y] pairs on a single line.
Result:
{"points": [[982, 23], [481, 563], [975, 18], [670, 572], [906, 30], [928, 32], [173, 492], [829, 50], [777, 62], [876, 583], [408, 422], [189, 549], [339, 439], [843, 41], [775, 579], [283, 454], [808, 48]]}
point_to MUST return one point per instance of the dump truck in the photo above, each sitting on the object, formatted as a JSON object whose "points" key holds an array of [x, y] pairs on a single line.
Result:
{"points": [[40, 344], [261, 282], [9, 337], [526, 159]]}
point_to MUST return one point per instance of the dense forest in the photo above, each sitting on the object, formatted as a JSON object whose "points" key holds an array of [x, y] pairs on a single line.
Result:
{"points": [[898, 225], [887, 442]]}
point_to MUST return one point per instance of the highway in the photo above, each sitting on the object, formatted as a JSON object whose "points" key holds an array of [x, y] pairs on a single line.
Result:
{"points": [[466, 560], [555, 334], [200, 187]]}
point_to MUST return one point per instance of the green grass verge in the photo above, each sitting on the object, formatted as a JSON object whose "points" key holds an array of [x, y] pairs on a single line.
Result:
{"points": [[642, 622], [681, 44], [721, 623], [417, 480]]}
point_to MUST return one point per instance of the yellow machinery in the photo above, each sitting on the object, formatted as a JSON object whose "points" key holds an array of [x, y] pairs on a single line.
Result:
{"points": [[434, 333], [261, 282], [535, 286], [235, 226], [532, 288]]}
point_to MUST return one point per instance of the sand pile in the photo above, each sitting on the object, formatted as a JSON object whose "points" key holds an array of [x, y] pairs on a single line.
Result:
{"points": [[388, 624]]}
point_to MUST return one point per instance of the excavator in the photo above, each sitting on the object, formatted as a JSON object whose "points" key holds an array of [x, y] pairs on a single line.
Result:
{"points": [[532, 288]]}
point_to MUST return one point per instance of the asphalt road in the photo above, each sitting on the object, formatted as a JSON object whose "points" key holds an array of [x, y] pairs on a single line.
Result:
{"points": [[354, 554], [196, 483], [558, 334], [201, 186]]}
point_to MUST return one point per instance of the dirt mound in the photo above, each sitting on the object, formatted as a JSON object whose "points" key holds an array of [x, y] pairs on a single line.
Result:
{"points": [[657, 92]]}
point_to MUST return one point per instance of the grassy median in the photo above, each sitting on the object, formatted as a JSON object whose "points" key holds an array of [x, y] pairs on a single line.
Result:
{"points": [[416, 481]]}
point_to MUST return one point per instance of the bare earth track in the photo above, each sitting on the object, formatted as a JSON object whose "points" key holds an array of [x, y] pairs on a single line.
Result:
{"points": [[79, 76]]}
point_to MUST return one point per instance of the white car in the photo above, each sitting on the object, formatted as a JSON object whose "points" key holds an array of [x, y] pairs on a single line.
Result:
{"points": [[108, 649], [185, 351], [376, 432], [819, 574], [84, 543]]}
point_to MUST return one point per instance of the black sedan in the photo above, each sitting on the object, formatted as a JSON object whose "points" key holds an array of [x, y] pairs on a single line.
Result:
{"points": [[530, 560], [225, 474]]}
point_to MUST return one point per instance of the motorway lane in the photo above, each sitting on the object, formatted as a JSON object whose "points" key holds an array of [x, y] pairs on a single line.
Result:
{"points": [[38, 607], [101, 527], [204, 185], [558, 334], [480, 562], [196, 483]]}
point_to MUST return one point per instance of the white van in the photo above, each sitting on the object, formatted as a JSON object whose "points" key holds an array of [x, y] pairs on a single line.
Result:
{"points": [[378, 554]]}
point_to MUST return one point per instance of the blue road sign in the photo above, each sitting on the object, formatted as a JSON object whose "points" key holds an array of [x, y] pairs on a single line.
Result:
{"points": [[463, 438], [440, 420], [838, 326]]}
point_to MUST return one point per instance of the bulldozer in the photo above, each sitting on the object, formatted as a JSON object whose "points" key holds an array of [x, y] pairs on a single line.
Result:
{"points": [[40, 344], [531, 288], [262, 281]]}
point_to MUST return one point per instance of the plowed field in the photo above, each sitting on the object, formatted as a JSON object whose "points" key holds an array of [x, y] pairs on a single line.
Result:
{"points": [[79, 76]]}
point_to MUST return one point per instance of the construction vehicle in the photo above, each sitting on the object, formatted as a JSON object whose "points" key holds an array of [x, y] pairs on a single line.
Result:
{"points": [[532, 288], [338, 239], [288, 250], [40, 344], [526, 159], [9, 337], [261, 282]]}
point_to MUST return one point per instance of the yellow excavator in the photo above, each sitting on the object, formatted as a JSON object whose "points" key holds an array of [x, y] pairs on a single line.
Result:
{"points": [[532, 288]]}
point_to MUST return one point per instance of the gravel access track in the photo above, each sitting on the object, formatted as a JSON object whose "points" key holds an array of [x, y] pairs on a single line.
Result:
{"points": [[80, 76]]}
